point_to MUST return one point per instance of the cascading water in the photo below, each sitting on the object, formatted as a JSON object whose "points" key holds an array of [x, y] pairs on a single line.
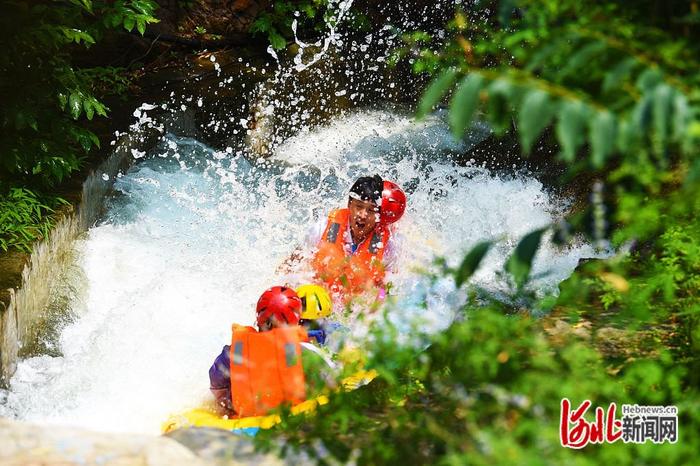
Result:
{"points": [[196, 234], [193, 235]]}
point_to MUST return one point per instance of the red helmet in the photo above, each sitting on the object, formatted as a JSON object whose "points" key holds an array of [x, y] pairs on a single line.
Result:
{"points": [[280, 302], [393, 203]]}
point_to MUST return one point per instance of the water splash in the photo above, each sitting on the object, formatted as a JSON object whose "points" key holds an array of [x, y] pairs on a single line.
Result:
{"points": [[340, 11], [195, 233]]}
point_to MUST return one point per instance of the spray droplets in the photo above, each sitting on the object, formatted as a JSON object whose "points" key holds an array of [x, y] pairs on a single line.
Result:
{"points": [[137, 154]]}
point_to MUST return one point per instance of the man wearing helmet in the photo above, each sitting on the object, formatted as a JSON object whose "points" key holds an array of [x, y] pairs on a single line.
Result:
{"points": [[262, 369], [354, 246], [316, 317]]}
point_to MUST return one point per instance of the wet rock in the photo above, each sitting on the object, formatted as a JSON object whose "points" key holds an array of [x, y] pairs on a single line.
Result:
{"points": [[222, 447], [260, 124], [27, 444], [224, 17]]}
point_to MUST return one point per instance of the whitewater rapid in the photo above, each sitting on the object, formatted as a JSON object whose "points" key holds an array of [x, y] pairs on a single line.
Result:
{"points": [[193, 235]]}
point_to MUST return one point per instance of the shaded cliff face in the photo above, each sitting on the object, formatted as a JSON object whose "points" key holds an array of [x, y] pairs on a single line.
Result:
{"points": [[220, 17], [233, 18], [176, 56], [217, 16], [336, 67]]}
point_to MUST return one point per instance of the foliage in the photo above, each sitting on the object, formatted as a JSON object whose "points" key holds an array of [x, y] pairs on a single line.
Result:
{"points": [[25, 218], [186, 4], [619, 91], [655, 286], [44, 95], [107, 80], [47, 99], [488, 389], [596, 82], [485, 391], [619, 108], [276, 22]]}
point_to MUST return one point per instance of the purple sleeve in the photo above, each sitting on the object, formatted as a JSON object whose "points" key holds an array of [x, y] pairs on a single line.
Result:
{"points": [[220, 378], [219, 372]]}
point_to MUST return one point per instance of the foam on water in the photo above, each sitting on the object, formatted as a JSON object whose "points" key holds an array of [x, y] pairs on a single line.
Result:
{"points": [[195, 236]]}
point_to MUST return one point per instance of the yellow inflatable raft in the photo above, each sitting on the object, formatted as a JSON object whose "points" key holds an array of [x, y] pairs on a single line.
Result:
{"points": [[203, 417]]}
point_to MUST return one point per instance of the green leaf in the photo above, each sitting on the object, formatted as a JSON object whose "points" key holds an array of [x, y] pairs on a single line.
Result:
{"points": [[435, 91], [519, 263], [649, 79], [85, 142], [464, 103], [94, 139], [582, 58], [627, 136], [615, 77], [471, 262], [99, 107], [681, 117], [693, 176], [643, 113], [86, 4], [113, 20], [141, 26], [602, 135], [505, 11], [277, 41], [663, 101], [31, 121], [129, 23], [144, 7], [541, 55], [77, 36], [62, 100], [418, 36], [74, 105], [87, 38], [571, 127], [309, 10], [89, 110], [262, 24], [535, 114], [500, 93]]}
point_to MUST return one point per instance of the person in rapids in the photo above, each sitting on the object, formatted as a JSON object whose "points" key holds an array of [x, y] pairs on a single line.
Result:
{"points": [[274, 365], [352, 249], [316, 308]]}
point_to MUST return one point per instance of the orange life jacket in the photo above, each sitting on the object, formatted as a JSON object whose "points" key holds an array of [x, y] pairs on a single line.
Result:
{"points": [[266, 369], [341, 270]]}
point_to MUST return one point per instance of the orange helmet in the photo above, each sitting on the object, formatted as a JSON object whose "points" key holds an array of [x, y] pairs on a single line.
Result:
{"points": [[393, 203], [281, 302]]}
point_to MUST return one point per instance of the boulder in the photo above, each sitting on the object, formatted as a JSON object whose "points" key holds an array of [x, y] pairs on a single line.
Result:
{"points": [[27, 444]]}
